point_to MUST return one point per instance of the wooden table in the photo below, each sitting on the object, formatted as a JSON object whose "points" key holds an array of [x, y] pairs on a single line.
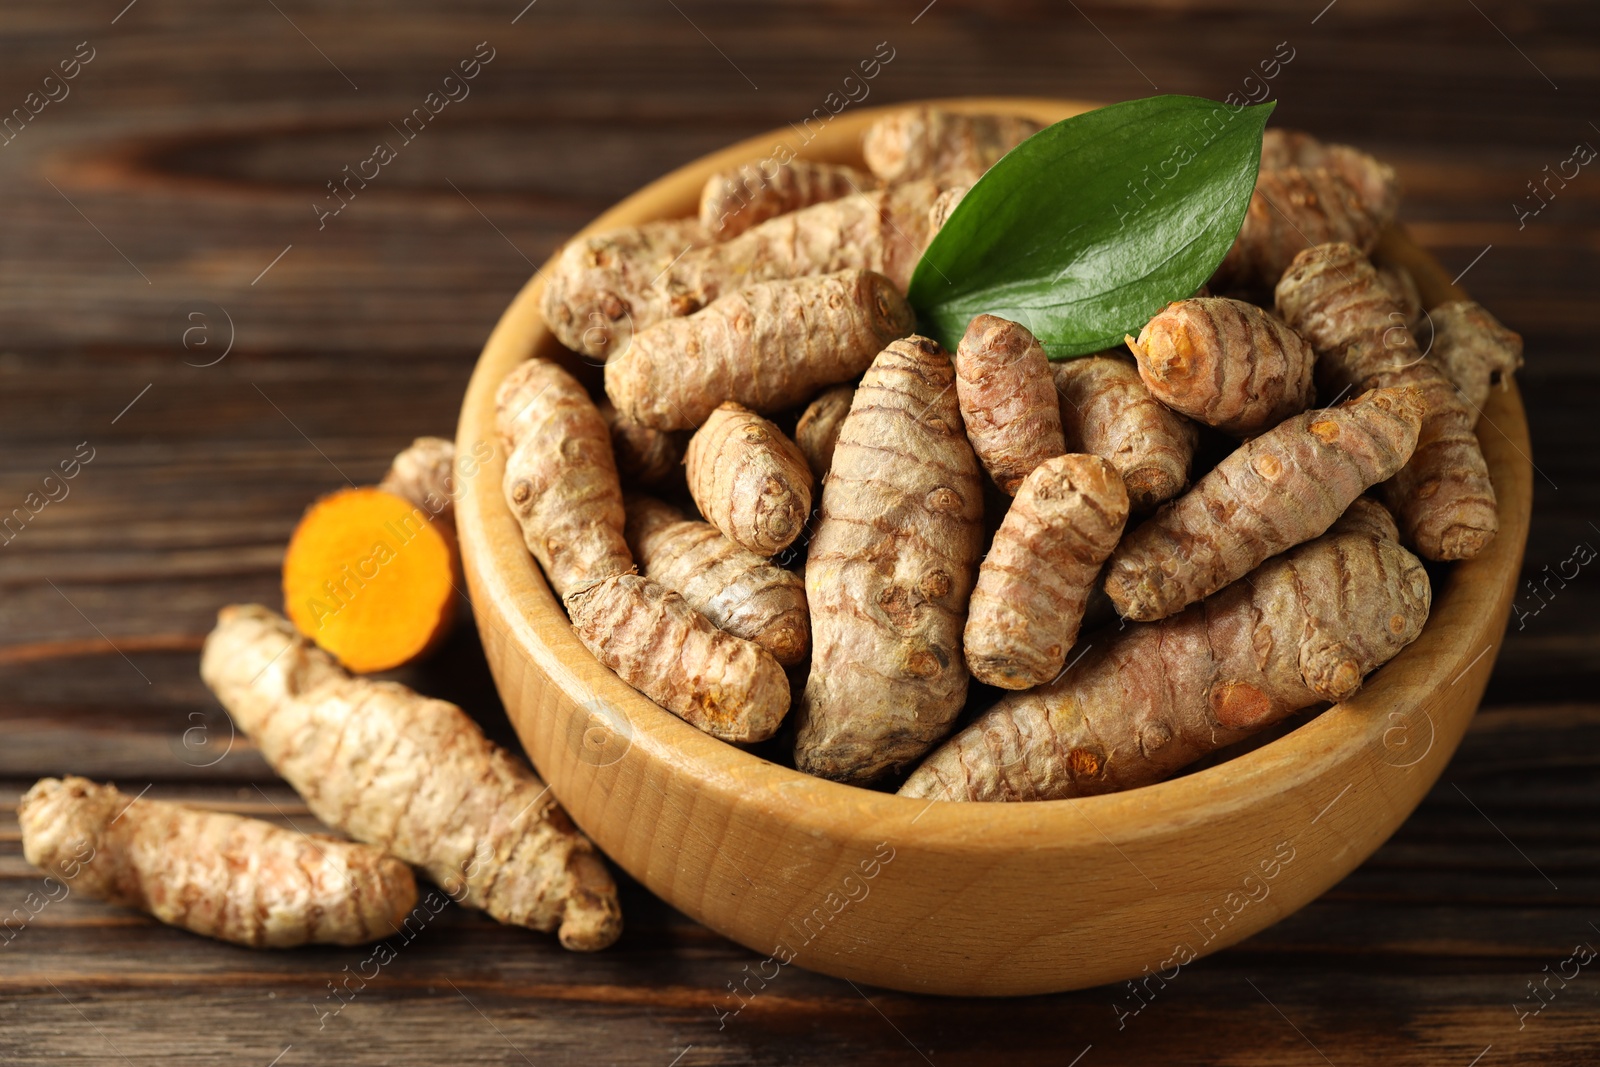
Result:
{"points": [[176, 296]]}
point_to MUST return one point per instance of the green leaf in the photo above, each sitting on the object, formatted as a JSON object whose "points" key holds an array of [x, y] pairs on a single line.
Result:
{"points": [[1088, 228]]}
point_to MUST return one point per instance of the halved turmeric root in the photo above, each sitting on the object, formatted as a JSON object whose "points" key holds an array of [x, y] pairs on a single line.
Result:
{"points": [[371, 579]]}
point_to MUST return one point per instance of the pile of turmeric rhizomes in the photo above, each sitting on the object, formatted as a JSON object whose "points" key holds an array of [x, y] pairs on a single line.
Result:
{"points": [[976, 508]]}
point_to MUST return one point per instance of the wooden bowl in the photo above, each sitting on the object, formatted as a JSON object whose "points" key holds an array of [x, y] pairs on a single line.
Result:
{"points": [[968, 898]]}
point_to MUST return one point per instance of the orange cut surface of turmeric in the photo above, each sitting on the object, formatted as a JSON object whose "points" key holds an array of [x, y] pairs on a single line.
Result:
{"points": [[370, 579]]}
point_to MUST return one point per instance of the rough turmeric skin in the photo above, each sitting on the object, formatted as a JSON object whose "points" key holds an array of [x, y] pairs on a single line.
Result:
{"points": [[889, 572], [561, 483], [1369, 518], [883, 230], [1443, 498], [736, 589], [949, 147], [1373, 181], [737, 199], [1008, 399], [1474, 350], [371, 578], [424, 473], [644, 456], [217, 875], [1225, 363], [1290, 210], [729, 687], [943, 207], [1403, 290], [413, 776], [1307, 626], [1107, 410], [749, 480], [605, 289], [817, 432], [768, 346], [560, 477], [1284, 487], [600, 289], [1035, 580]]}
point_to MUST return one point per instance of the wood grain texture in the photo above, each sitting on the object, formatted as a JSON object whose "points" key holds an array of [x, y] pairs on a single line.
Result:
{"points": [[198, 139]]}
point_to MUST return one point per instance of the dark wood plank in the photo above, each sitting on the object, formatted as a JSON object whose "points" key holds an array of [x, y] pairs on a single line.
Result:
{"points": [[1418, 957]]}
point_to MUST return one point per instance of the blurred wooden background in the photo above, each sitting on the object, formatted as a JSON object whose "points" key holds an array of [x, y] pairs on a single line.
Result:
{"points": [[162, 210]]}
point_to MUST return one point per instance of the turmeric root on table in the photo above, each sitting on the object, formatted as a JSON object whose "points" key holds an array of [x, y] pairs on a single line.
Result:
{"points": [[767, 346], [413, 776], [424, 473], [1225, 363], [644, 456], [817, 432], [1442, 498], [212, 873], [1293, 209], [1008, 399], [1107, 410], [1474, 350], [952, 148], [371, 574], [1308, 626], [1284, 487], [1035, 580], [749, 480], [737, 199], [371, 578], [736, 589], [600, 289], [889, 572], [729, 687], [561, 477]]}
